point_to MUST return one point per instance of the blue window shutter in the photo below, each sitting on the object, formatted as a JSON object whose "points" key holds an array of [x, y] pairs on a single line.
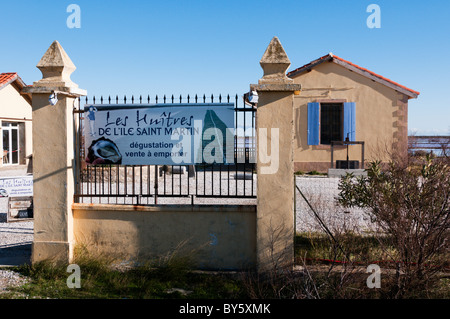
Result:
{"points": [[313, 123], [349, 121]]}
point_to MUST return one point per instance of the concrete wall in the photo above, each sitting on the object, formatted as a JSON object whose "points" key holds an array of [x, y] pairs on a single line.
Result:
{"points": [[216, 237], [381, 116], [15, 108]]}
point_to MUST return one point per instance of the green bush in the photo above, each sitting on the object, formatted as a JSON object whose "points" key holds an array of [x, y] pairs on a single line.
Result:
{"points": [[409, 203]]}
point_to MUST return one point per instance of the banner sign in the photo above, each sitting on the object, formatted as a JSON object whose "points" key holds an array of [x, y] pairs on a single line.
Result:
{"points": [[16, 186], [160, 134]]}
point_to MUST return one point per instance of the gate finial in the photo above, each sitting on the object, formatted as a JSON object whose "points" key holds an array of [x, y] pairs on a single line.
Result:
{"points": [[56, 67], [275, 63]]}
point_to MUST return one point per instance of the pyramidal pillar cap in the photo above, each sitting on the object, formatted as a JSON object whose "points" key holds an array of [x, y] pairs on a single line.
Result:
{"points": [[275, 63], [56, 68]]}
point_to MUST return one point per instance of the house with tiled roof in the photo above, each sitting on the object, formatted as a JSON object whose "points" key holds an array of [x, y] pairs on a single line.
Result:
{"points": [[15, 121], [347, 115]]}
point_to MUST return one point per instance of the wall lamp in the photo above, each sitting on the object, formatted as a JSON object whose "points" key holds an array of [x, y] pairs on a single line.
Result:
{"points": [[253, 97], [53, 99]]}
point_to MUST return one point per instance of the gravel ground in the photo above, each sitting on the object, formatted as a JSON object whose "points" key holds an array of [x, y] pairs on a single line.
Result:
{"points": [[321, 192], [10, 279], [15, 247]]}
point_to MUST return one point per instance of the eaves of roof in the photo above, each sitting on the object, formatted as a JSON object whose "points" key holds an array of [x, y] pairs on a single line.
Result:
{"points": [[355, 68]]}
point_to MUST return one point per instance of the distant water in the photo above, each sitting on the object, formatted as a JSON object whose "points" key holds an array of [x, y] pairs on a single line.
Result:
{"points": [[433, 144]]}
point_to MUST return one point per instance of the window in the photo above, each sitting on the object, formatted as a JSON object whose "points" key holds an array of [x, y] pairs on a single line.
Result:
{"points": [[329, 122]]}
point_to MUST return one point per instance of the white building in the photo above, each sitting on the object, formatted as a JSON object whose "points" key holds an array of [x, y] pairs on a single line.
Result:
{"points": [[15, 121]]}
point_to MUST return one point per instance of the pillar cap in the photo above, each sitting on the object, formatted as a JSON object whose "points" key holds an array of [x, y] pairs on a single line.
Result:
{"points": [[275, 63], [56, 68]]}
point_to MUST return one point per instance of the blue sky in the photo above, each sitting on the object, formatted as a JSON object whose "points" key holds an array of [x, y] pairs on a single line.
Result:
{"points": [[214, 47]]}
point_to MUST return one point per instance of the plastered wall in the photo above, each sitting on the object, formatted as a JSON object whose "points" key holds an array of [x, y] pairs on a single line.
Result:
{"points": [[381, 116], [213, 237]]}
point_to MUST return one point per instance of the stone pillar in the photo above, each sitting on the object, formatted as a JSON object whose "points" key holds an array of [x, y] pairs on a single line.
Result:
{"points": [[275, 165], [53, 156]]}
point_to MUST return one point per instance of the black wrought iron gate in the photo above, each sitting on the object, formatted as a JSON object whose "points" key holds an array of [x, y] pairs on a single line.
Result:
{"points": [[158, 184]]}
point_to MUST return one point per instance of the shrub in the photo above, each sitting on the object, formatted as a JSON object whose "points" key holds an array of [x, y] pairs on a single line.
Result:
{"points": [[409, 203]]}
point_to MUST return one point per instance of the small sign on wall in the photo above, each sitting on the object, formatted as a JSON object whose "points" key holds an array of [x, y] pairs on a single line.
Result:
{"points": [[16, 186], [19, 191]]}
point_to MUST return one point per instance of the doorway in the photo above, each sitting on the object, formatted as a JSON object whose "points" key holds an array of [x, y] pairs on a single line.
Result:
{"points": [[11, 139]]}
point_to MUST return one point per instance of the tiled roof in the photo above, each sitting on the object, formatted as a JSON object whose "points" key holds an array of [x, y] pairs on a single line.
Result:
{"points": [[6, 78], [363, 71]]}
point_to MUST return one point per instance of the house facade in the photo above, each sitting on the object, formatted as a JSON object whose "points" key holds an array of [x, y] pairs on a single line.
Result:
{"points": [[15, 121], [343, 102]]}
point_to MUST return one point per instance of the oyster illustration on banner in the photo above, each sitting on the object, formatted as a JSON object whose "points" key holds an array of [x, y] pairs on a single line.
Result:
{"points": [[103, 151]]}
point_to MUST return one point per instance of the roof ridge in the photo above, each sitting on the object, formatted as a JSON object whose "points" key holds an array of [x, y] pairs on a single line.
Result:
{"points": [[332, 57], [375, 74]]}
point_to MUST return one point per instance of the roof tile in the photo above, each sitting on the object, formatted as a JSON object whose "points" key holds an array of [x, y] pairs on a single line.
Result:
{"points": [[6, 78]]}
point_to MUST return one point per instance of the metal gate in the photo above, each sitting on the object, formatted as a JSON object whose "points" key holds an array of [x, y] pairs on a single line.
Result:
{"points": [[160, 184]]}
